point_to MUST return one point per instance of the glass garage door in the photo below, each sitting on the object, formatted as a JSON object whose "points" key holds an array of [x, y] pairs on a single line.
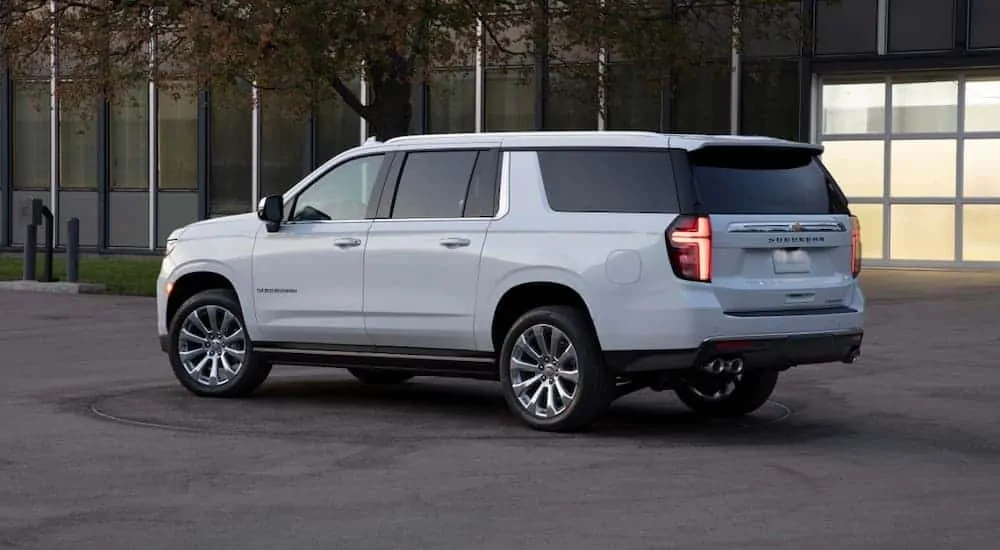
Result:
{"points": [[918, 158]]}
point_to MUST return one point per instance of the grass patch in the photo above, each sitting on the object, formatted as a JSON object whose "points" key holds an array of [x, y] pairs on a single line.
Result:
{"points": [[127, 275]]}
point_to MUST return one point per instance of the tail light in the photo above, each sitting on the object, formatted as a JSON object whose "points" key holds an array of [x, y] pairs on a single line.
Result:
{"points": [[689, 245], [855, 246]]}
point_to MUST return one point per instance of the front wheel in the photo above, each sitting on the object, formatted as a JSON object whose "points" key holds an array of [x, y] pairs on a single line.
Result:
{"points": [[210, 351], [552, 371], [727, 396]]}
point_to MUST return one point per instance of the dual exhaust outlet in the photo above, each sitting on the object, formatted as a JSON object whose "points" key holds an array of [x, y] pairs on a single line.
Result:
{"points": [[719, 366]]}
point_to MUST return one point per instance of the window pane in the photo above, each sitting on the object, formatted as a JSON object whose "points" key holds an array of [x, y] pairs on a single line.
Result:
{"points": [[229, 184], [341, 194], [762, 180], [858, 166], [177, 142], [32, 147], [980, 228], [925, 107], [982, 105], [702, 100], [510, 100], [608, 181], [633, 101], [854, 108], [572, 98], [434, 185], [923, 232], [916, 25], [872, 221], [283, 154], [78, 149], [771, 99], [923, 168], [129, 129], [338, 127], [982, 179], [984, 24], [452, 102], [846, 26]]}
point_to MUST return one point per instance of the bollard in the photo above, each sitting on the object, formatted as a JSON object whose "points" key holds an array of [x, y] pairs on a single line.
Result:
{"points": [[30, 249], [73, 250], [49, 244]]}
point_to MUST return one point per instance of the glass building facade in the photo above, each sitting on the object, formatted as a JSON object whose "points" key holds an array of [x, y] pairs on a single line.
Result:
{"points": [[903, 94]]}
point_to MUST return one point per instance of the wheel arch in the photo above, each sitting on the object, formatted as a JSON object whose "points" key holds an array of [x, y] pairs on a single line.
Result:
{"points": [[193, 282], [525, 296]]}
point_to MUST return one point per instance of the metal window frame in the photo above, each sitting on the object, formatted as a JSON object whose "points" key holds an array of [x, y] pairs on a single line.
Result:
{"points": [[888, 136]]}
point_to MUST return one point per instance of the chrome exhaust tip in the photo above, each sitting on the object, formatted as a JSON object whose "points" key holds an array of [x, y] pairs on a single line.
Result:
{"points": [[715, 366], [734, 366]]}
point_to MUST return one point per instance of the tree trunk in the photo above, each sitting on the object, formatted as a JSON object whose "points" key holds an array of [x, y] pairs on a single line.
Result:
{"points": [[391, 109]]}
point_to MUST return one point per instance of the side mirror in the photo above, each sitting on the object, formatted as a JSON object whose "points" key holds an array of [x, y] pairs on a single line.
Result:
{"points": [[270, 210]]}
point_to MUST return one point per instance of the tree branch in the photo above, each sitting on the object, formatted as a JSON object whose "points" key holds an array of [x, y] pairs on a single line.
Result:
{"points": [[349, 97]]}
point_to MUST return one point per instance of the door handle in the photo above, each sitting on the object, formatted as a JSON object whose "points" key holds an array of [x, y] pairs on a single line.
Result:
{"points": [[347, 242], [454, 242]]}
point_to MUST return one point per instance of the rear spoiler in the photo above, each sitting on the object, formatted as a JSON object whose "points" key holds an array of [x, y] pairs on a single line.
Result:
{"points": [[755, 141]]}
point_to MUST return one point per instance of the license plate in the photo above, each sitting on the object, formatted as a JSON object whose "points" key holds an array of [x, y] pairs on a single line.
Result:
{"points": [[791, 261]]}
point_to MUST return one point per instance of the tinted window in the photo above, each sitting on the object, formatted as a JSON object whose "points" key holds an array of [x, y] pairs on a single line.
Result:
{"points": [[763, 180], [343, 193], [846, 26], [921, 25], [608, 181], [481, 201], [434, 184]]}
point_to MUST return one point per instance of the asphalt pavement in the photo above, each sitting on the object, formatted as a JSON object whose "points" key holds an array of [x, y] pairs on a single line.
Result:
{"points": [[101, 448]]}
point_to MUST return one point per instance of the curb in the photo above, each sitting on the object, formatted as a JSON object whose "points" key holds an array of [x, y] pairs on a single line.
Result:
{"points": [[52, 288]]}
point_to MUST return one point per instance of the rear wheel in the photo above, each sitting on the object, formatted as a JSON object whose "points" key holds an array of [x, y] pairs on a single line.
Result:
{"points": [[552, 372], [380, 376], [727, 396], [210, 351]]}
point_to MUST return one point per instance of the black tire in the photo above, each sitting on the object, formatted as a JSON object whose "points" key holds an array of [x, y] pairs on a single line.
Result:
{"points": [[594, 388], [250, 376], [380, 377], [750, 394]]}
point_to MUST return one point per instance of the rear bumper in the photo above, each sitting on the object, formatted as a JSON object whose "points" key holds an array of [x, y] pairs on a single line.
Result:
{"points": [[764, 352]]}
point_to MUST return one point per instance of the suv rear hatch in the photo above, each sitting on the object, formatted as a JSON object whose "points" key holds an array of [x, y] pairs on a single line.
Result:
{"points": [[783, 241]]}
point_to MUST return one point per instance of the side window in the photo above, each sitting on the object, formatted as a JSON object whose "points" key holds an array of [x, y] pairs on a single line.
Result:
{"points": [[434, 184], [612, 180], [481, 201], [343, 193]]}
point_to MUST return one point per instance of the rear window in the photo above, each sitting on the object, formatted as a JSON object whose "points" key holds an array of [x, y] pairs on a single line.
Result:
{"points": [[764, 180], [610, 180]]}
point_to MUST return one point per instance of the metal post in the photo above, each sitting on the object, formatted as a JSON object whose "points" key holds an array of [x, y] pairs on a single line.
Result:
{"points": [[49, 244], [73, 250], [30, 249]]}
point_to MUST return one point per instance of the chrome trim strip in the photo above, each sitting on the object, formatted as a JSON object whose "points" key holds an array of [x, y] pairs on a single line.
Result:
{"points": [[786, 227], [777, 336]]}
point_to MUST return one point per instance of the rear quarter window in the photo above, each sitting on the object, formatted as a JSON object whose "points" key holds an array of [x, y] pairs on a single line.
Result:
{"points": [[764, 180], [612, 180]]}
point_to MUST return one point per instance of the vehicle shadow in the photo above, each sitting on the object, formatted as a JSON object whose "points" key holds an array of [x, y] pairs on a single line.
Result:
{"points": [[463, 409]]}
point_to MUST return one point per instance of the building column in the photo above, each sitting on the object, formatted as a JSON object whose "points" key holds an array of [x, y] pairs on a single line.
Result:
{"points": [[6, 168], [204, 146], [480, 73], [54, 129], [103, 173], [255, 146]]}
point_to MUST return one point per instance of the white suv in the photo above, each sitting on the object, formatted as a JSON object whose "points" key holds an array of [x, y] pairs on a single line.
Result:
{"points": [[572, 267]]}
